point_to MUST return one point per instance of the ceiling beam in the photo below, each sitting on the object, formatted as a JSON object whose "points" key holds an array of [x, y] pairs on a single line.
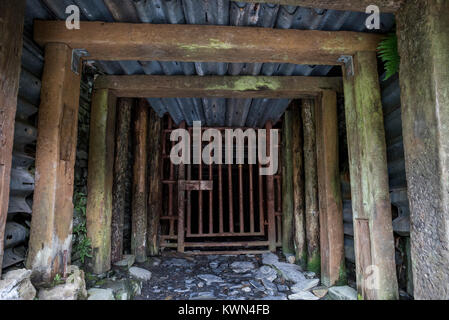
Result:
{"points": [[198, 43], [145, 86], [387, 6]]}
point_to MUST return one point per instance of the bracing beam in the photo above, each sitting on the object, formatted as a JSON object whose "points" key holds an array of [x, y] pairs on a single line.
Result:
{"points": [[160, 42], [145, 86]]}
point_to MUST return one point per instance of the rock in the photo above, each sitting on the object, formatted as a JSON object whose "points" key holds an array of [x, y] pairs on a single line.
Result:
{"points": [[282, 288], [320, 292], [100, 294], [273, 298], [16, 285], [246, 289], [290, 272], [140, 274], [257, 285], [200, 284], [266, 272], [123, 289], [210, 278], [271, 288], [342, 293], [242, 266], [302, 295], [127, 261], [305, 285], [203, 296], [270, 258], [155, 262], [214, 264], [74, 287]]}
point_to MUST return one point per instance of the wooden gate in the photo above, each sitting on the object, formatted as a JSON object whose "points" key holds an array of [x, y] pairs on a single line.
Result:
{"points": [[218, 208]]}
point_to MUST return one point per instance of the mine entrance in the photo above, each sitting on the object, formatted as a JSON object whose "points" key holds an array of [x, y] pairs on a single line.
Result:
{"points": [[219, 208]]}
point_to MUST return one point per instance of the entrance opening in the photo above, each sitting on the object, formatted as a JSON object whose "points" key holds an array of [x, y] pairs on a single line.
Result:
{"points": [[225, 205]]}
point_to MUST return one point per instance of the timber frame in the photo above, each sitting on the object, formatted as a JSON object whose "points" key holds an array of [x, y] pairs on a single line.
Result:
{"points": [[50, 242]]}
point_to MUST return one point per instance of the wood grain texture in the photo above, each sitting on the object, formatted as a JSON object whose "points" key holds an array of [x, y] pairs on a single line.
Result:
{"points": [[160, 42], [11, 29]]}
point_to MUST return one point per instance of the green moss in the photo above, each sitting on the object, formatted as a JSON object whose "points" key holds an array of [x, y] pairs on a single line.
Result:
{"points": [[314, 263], [342, 278], [249, 84]]}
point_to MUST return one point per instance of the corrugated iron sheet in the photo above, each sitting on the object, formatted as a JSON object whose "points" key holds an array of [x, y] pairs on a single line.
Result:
{"points": [[215, 112]]}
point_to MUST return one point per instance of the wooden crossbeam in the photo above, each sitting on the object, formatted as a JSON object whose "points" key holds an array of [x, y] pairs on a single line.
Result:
{"points": [[145, 86], [343, 5], [197, 43]]}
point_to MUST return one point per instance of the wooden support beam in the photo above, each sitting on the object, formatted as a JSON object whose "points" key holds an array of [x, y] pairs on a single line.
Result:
{"points": [[51, 224], [100, 179], [373, 230], [330, 202], [311, 187], [159, 42], [122, 179], [269, 196], [11, 29], [155, 184], [146, 86], [389, 6], [140, 195], [288, 246], [423, 27], [298, 185]]}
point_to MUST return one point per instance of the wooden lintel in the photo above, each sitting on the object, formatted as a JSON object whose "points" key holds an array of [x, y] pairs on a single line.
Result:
{"points": [[146, 86], [343, 5], [161, 42]]}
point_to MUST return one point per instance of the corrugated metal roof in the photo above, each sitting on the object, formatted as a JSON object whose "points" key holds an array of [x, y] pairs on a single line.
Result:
{"points": [[214, 112]]}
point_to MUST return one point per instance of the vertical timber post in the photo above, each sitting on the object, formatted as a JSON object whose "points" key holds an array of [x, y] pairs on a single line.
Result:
{"points": [[139, 200], [270, 196], [100, 179], [51, 223], [330, 202], [287, 184], [121, 176], [298, 185], [373, 230], [155, 184], [311, 187], [423, 42], [11, 33]]}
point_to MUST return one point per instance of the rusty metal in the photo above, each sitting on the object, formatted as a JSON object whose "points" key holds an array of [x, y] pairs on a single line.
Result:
{"points": [[188, 195]]}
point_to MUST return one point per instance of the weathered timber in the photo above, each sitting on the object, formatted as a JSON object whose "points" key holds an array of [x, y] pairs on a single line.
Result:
{"points": [[181, 203], [139, 200], [311, 187], [329, 193], [100, 179], [288, 246], [160, 42], [121, 176], [147, 86], [155, 184], [11, 28], [298, 185], [423, 41], [372, 220], [342, 5], [51, 223]]}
